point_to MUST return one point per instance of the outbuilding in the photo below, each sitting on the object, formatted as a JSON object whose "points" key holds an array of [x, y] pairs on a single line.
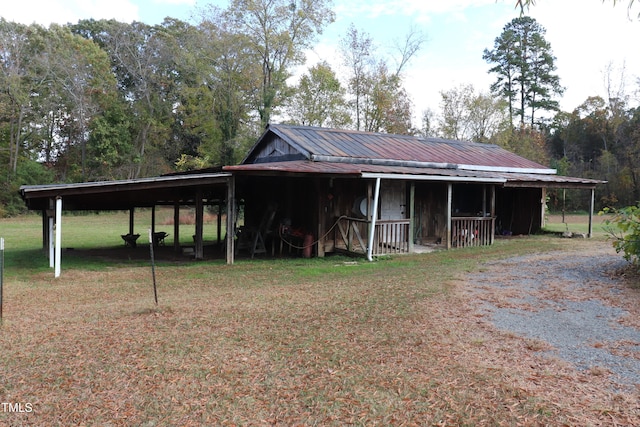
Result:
{"points": [[318, 191]]}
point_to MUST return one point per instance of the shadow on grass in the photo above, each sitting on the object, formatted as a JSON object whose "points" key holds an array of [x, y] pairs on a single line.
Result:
{"points": [[16, 261]]}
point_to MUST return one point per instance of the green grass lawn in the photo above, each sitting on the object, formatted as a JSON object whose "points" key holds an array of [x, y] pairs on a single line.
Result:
{"points": [[575, 223], [333, 341]]}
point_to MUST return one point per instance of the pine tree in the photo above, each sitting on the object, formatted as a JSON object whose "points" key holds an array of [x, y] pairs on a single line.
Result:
{"points": [[524, 65]]}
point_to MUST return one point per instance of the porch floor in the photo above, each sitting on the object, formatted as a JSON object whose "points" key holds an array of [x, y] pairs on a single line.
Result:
{"points": [[425, 249]]}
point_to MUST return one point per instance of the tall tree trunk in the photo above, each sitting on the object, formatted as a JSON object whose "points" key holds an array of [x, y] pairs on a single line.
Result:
{"points": [[143, 141], [16, 134]]}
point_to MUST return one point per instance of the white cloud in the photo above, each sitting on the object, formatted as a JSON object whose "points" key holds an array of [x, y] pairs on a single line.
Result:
{"points": [[65, 11], [176, 2], [419, 9]]}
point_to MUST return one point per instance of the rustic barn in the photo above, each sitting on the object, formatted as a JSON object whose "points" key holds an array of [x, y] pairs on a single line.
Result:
{"points": [[377, 194], [315, 191]]}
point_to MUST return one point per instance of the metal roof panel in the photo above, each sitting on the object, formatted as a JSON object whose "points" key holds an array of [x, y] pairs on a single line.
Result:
{"points": [[365, 146]]}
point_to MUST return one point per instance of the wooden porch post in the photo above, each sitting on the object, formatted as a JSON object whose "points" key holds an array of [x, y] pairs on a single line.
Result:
{"points": [[50, 237], [449, 205], [492, 207], [543, 206], [412, 211], [153, 221], [131, 219], [591, 206], [484, 199], [176, 227], [231, 218], [321, 193], [219, 222], [198, 252], [45, 230], [52, 254]]}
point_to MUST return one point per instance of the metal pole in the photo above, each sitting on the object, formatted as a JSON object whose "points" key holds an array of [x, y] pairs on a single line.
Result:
{"points": [[1, 272], [58, 249], [374, 216]]}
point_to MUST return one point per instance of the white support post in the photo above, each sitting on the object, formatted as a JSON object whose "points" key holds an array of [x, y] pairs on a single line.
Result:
{"points": [[374, 216], [58, 249]]}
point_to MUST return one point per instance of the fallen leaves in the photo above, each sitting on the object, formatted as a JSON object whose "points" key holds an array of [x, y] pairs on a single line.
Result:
{"points": [[384, 344]]}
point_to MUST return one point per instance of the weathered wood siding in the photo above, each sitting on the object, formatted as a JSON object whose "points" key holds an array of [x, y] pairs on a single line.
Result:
{"points": [[430, 211], [275, 149]]}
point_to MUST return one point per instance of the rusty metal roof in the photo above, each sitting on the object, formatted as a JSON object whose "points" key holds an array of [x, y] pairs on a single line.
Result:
{"points": [[363, 170], [349, 146]]}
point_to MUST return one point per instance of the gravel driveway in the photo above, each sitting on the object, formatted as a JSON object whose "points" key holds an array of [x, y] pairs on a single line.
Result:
{"points": [[572, 303]]}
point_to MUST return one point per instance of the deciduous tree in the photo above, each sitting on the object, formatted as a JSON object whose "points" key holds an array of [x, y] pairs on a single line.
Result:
{"points": [[379, 101], [319, 99], [277, 32], [467, 115]]}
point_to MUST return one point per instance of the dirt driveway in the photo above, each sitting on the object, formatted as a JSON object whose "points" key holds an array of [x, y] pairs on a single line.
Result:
{"points": [[574, 305]]}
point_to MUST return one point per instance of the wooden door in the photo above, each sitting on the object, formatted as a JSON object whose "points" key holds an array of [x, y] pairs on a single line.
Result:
{"points": [[393, 207]]}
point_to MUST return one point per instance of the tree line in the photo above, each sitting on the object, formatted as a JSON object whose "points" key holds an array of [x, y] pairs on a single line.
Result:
{"points": [[103, 100]]}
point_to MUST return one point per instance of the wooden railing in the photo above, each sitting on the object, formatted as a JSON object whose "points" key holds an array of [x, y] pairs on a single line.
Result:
{"points": [[391, 237], [351, 235], [472, 231]]}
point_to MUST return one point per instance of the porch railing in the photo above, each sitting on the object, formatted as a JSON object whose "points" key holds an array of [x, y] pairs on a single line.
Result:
{"points": [[351, 235], [472, 231], [390, 236]]}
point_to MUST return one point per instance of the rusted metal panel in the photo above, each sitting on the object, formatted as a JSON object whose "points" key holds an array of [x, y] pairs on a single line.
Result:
{"points": [[368, 145], [511, 179]]}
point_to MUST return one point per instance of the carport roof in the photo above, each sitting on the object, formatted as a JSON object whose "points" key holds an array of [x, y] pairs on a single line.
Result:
{"points": [[363, 170], [126, 194]]}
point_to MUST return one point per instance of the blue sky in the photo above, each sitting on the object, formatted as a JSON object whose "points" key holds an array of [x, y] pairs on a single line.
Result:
{"points": [[586, 36]]}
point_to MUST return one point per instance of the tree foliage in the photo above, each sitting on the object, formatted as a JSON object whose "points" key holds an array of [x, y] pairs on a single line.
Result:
{"points": [[277, 32], [319, 99], [526, 4], [379, 101], [105, 99], [624, 229], [470, 116]]}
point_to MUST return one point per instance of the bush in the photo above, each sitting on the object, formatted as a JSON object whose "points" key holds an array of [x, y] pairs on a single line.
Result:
{"points": [[624, 228]]}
